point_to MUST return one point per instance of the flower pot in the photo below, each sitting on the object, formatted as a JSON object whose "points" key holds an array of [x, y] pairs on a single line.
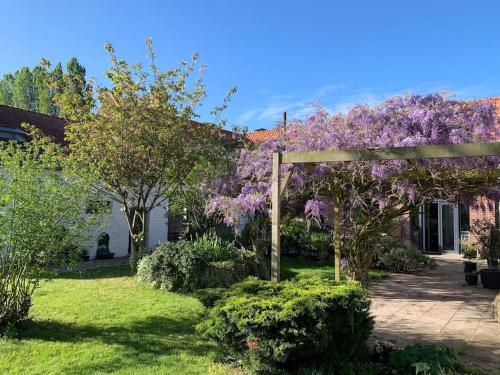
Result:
{"points": [[490, 278], [470, 267], [492, 263], [471, 278]]}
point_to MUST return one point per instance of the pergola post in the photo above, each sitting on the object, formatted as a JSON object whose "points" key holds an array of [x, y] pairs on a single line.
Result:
{"points": [[337, 227], [275, 218]]}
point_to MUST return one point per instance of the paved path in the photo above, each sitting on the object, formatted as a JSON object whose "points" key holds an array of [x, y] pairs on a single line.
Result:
{"points": [[437, 307]]}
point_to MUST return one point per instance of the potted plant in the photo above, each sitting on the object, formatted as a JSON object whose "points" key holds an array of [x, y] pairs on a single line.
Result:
{"points": [[84, 255], [469, 252], [471, 278], [488, 239]]}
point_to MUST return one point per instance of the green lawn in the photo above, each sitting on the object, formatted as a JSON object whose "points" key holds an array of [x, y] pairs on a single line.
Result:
{"points": [[102, 321], [291, 267]]}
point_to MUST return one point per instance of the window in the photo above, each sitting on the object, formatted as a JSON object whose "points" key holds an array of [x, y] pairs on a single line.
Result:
{"points": [[497, 214], [464, 217], [11, 134]]}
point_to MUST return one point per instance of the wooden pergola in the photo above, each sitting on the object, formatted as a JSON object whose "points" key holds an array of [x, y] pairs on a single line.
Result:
{"points": [[395, 153]]}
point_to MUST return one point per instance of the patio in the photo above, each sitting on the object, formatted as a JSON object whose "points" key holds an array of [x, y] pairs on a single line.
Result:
{"points": [[437, 307]]}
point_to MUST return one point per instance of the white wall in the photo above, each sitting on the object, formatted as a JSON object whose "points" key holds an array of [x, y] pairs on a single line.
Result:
{"points": [[158, 226], [117, 228]]}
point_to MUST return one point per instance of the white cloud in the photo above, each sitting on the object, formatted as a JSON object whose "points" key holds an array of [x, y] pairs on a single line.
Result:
{"points": [[340, 98]]}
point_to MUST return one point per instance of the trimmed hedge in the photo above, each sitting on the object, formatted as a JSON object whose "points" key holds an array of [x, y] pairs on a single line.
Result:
{"points": [[273, 328], [190, 265]]}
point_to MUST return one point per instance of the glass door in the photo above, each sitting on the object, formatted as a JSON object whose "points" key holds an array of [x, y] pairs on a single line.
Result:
{"points": [[441, 227], [448, 227]]}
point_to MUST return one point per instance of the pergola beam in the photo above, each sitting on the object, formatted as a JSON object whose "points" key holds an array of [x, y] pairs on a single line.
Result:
{"points": [[395, 153]]}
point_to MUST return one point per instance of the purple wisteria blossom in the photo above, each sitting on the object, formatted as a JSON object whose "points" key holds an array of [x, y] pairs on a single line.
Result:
{"points": [[399, 121]]}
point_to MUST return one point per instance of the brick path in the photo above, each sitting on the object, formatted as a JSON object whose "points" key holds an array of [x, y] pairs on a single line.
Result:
{"points": [[437, 307]]}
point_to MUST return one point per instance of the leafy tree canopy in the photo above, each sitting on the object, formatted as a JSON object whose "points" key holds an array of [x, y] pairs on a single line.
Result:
{"points": [[46, 90], [141, 144]]}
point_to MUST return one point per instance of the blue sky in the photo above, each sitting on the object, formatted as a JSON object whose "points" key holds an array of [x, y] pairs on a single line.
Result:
{"points": [[282, 55]]}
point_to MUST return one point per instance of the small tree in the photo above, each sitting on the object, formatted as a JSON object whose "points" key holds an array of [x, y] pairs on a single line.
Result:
{"points": [[486, 237], [142, 145], [42, 216]]}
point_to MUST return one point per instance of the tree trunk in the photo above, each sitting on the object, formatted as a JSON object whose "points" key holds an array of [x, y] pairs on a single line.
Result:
{"points": [[138, 225]]}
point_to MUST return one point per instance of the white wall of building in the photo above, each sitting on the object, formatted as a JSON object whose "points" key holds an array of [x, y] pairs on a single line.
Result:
{"points": [[158, 226], [117, 228]]}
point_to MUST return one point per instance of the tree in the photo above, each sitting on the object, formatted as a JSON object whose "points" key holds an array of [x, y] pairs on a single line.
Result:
{"points": [[370, 196], [6, 89], [142, 144], [56, 85], [23, 92], [75, 96], [41, 91], [42, 211]]}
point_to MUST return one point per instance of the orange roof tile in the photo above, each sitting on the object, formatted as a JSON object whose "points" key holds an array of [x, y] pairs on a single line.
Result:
{"points": [[263, 135]]}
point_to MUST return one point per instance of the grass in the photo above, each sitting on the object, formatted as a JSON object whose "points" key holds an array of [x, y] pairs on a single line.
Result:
{"points": [[291, 267], [101, 322]]}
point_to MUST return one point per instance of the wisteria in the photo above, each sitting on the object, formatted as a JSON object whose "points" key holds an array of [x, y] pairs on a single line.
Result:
{"points": [[399, 121], [377, 189]]}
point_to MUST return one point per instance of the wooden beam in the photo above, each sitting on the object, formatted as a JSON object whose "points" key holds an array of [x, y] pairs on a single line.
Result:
{"points": [[395, 153], [337, 238], [286, 180], [275, 218]]}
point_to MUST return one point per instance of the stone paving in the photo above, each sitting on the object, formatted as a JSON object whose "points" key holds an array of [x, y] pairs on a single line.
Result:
{"points": [[437, 307]]}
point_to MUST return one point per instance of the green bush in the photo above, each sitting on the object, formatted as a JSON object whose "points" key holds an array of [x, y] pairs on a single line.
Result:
{"points": [[272, 328], [294, 236], [469, 251], [297, 239], [424, 359], [405, 259], [190, 265], [321, 245]]}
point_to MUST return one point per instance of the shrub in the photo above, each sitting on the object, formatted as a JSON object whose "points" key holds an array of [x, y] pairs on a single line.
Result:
{"points": [[487, 239], [187, 266], [424, 359], [42, 210], [299, 239], [270, 328], [294, 236], [405, 259], [469, 251], [210, 296], [321, 245]]}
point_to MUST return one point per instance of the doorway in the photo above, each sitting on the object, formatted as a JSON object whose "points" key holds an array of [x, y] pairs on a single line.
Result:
{"points": [[440, 227]]}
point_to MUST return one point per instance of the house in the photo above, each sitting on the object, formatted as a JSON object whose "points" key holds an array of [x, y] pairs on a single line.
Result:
{"points": [[436, 227], [115, 224]]}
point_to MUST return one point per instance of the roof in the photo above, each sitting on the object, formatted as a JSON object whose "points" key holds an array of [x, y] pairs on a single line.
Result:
{"points": [[263, 135], [496, 102], [11, 117]]}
